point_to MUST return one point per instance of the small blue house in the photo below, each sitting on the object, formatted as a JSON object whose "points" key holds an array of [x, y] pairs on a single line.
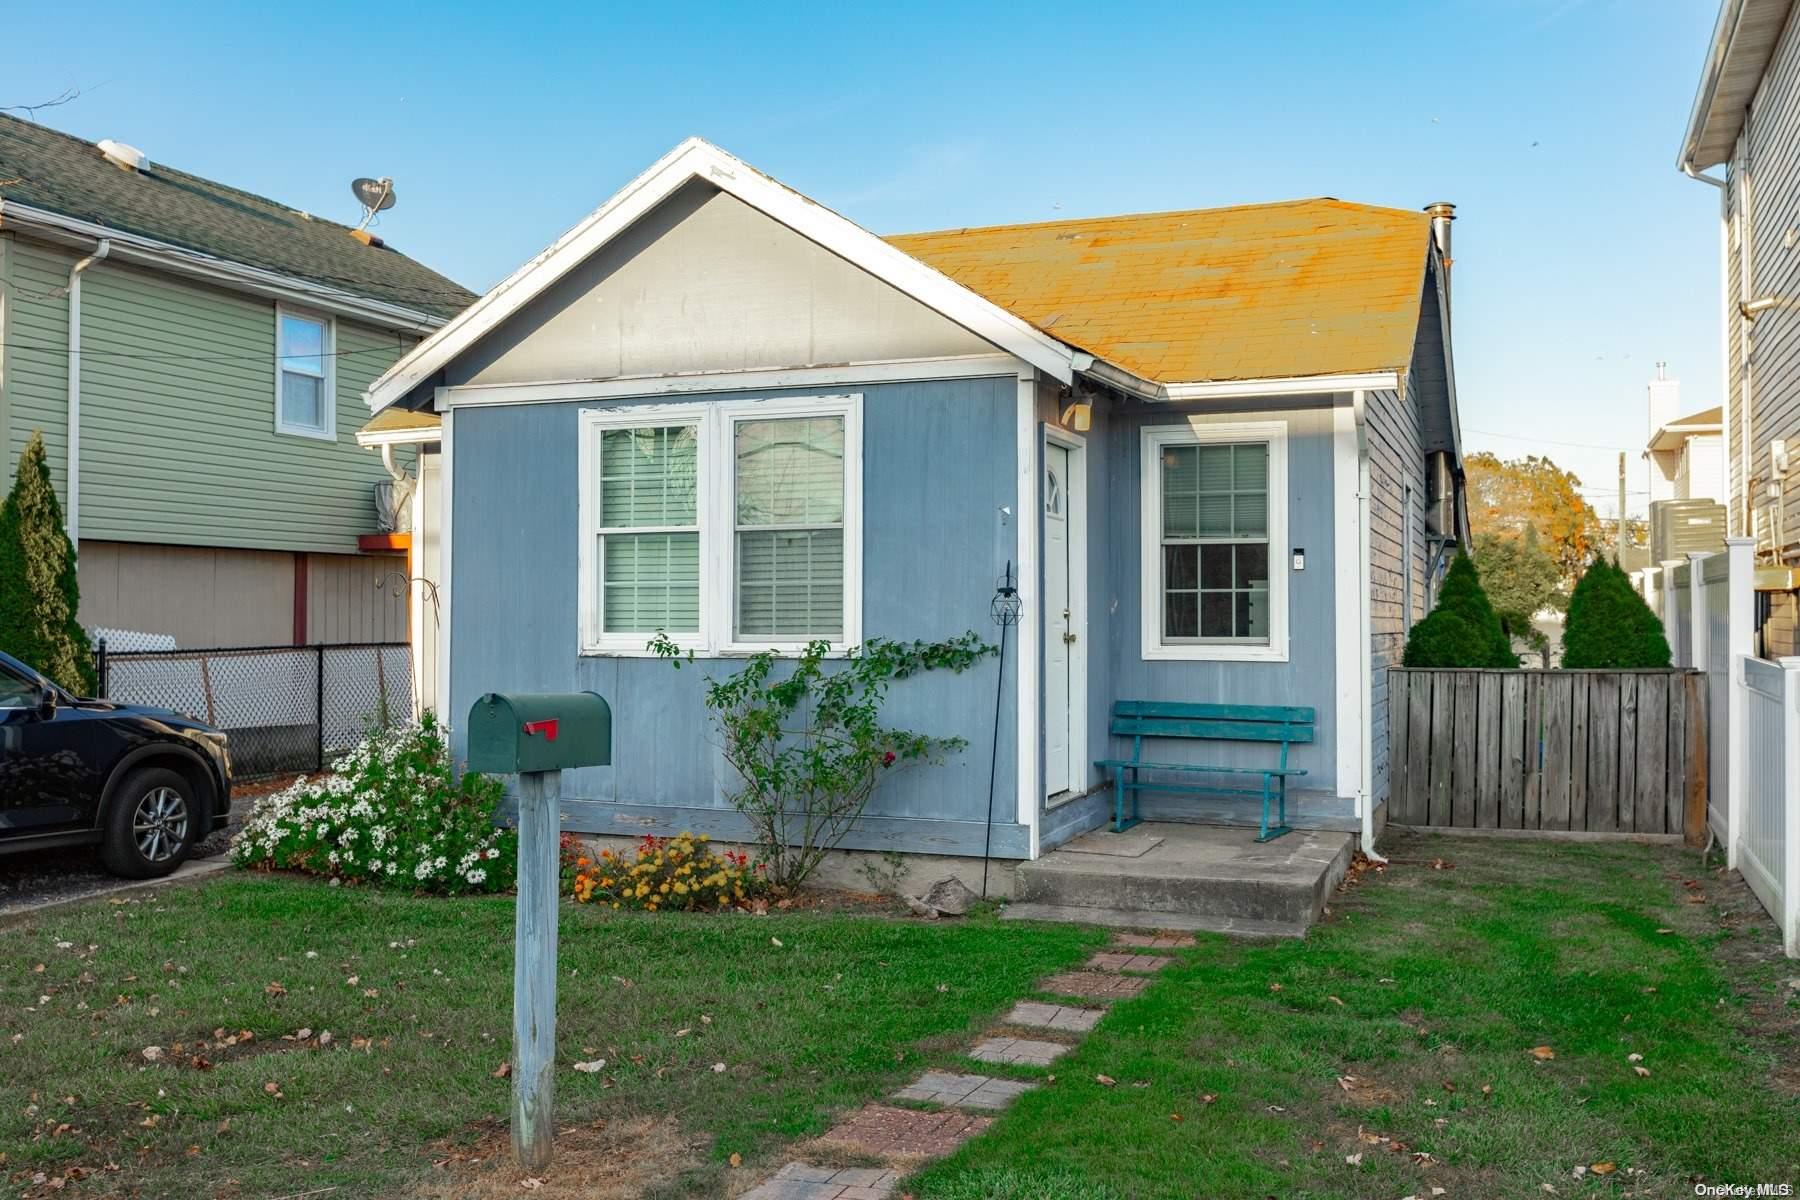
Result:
{"points": [[1217, 449]]}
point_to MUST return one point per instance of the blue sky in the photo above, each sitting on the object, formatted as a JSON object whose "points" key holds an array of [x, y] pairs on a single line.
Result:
{"points": [[1582, 256]]}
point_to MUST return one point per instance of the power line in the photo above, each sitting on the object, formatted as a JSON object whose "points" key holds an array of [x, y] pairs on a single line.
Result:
{"points": [[1519, 437]]}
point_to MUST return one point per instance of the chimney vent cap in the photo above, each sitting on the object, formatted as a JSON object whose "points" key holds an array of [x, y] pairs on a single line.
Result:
{"points": [[122, 154]]}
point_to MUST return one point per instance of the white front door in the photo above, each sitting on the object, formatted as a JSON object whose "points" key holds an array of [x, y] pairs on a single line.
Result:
{"points": [[1059, 628]]}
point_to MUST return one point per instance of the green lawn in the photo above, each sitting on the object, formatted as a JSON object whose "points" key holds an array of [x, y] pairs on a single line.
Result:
{"points": [[1411, 1014], [1256, 1070], [844, 1009]]}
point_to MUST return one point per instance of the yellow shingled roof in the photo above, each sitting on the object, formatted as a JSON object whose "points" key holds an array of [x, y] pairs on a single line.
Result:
{"points": [[1306, 287], [401, 420]]}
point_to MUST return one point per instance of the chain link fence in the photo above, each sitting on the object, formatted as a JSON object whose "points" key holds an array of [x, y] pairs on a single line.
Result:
{"points": [[287, 708]]}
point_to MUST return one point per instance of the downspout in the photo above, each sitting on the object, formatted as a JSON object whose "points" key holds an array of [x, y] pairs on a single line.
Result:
{"points": [[72, 519], [1365, 784], [394, 469]]}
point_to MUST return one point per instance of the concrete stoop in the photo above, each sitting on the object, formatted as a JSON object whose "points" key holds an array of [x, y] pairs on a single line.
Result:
{"points": [[1196, 877]]}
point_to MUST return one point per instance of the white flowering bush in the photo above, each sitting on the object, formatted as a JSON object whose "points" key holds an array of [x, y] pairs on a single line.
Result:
{"points": [[392, 814]]}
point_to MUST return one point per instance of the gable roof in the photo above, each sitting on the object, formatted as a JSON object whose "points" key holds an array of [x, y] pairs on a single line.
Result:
{"points": [[1303, 288], [1308, 294], [56, 173], [699, 159]]}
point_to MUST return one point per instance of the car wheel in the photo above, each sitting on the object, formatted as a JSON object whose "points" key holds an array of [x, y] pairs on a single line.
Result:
{"points": [[151, 826]]}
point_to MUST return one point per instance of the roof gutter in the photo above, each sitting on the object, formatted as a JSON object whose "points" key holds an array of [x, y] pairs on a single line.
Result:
{"points": [[1724, 38], [223, 272]]}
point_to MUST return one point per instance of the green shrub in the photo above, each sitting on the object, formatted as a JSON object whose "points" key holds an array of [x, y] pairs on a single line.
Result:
{"points": [[1462, 630], [393, 814], [1609, 625], [805, 739], [39, 595]]}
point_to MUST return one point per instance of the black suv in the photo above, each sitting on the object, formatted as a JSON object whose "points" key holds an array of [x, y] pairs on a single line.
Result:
{"points": [[145, 784]]}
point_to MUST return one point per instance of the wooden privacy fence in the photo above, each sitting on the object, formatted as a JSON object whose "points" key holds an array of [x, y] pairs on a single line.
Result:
{"points": [[1580, 751]]}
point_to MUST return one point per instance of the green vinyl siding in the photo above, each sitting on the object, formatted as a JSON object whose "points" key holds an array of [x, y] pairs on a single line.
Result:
{"points": [[37, 355], [178, 440]]}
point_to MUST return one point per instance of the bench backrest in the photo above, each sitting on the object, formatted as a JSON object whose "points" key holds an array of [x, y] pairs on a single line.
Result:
{"points": [[1220, 722]]}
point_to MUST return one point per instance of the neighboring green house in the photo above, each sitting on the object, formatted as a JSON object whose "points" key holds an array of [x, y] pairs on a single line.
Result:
{"points": [[195, 357]]}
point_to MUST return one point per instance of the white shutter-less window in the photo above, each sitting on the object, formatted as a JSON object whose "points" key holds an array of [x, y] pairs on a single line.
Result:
{"points": [[789, 497], [303, 375], [1215, 542], [649, 534]]}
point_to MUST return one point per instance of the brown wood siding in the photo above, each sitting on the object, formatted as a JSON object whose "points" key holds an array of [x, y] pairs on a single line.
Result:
{"points": [[349, 598], [1396, 459], [201, 596]]}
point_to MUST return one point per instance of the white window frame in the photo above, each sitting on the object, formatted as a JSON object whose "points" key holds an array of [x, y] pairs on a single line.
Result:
{"points": [[328, 397], [1198, 432], [715, 472]]}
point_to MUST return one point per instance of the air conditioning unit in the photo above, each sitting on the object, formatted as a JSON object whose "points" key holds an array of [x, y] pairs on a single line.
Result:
{"points": [[1682, 527]]}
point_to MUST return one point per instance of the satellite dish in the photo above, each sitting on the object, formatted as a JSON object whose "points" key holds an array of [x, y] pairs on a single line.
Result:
{"points": [[375, 195]]}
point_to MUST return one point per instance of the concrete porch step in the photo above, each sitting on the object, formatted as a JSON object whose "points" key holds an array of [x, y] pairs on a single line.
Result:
{"points": [[1124, 918], [1197, 877]]}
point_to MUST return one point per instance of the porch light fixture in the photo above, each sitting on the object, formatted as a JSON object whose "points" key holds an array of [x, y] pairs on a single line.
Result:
{"points": [[1751, 309], [1078, 414]]}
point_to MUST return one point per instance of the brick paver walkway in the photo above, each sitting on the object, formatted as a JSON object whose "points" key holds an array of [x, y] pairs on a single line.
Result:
{"points": [[963, 1091], [1153, 941], [882, 1129], [1025, 1052], [1112, 960], [798, 1181], [905, 1135], [1093, 985], [1054, 1016]]}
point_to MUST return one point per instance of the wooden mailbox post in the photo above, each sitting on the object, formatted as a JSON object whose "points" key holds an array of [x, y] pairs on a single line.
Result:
{"points": [[536, 737]]}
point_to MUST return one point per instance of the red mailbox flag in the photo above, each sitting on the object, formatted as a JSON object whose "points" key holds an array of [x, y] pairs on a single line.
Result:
{"points": [[545, 727]]}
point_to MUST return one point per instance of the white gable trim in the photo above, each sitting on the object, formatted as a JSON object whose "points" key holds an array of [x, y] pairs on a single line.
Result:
{"points": [[698, 159]]}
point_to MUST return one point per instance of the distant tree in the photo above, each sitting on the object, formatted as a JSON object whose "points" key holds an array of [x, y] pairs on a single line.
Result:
{"points": [[1463, 629], [1508, 496], [1521, 579], [39, 594], [1609, 624]]}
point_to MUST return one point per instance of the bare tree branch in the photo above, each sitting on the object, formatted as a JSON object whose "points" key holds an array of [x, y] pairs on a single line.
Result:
{"points": [[68, 95]]}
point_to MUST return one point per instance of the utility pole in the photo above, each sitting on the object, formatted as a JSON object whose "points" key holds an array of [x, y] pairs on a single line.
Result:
{"points": [[1619, 550]]}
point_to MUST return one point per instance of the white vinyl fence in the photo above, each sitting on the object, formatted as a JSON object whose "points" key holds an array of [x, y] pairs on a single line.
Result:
{"points": [[1708, 607]]}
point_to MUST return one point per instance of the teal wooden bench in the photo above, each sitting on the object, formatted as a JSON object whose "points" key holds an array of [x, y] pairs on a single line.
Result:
{"points": [[1140, 719]]}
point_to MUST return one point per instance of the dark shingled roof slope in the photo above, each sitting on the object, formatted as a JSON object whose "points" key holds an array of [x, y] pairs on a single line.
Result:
{"points": [[67, 175]]}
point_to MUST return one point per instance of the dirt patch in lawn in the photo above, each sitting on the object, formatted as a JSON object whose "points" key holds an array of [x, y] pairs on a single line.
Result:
{"points": [[1764, 979], [607, 1160]]}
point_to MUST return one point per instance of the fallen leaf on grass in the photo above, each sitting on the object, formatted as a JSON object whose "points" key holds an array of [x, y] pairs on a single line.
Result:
{"points": [[273, 1089], [531, 1183], [736, 1160], [1174, 1116], [591, 1068], [152, 1053], [1208, 1098], [1643, 1072], [718, 1068], [1354, 1160], [502, 1071], [1335, 1001], [1603, 1168], [1542, 1053], [683, 1032], [775, 941], [1105, 1080], [274, 989]]}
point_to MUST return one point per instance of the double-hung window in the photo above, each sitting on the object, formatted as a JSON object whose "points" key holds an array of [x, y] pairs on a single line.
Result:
{"points": [[1214, 531], [304, 375], [730, 526]]}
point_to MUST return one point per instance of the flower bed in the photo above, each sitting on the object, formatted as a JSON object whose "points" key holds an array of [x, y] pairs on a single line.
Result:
{"points": [[682, 872], [393, 814]]}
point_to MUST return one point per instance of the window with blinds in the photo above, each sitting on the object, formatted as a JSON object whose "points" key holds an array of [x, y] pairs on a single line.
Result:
{"points": [[649, 531], [789, 481], [731, 526]]}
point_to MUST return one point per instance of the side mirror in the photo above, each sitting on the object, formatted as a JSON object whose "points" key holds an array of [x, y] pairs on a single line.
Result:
{"points": [[46, 703]]}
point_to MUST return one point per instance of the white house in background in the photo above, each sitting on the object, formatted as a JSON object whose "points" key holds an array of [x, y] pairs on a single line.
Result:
{"points": [[1686, 453]]}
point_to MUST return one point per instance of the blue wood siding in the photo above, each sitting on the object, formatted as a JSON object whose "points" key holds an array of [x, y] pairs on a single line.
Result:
{"points": [[938, 467], [1118, 670]]}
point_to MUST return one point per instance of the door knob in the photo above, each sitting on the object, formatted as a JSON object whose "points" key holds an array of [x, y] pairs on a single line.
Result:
{"points": [[1068, 638]]}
